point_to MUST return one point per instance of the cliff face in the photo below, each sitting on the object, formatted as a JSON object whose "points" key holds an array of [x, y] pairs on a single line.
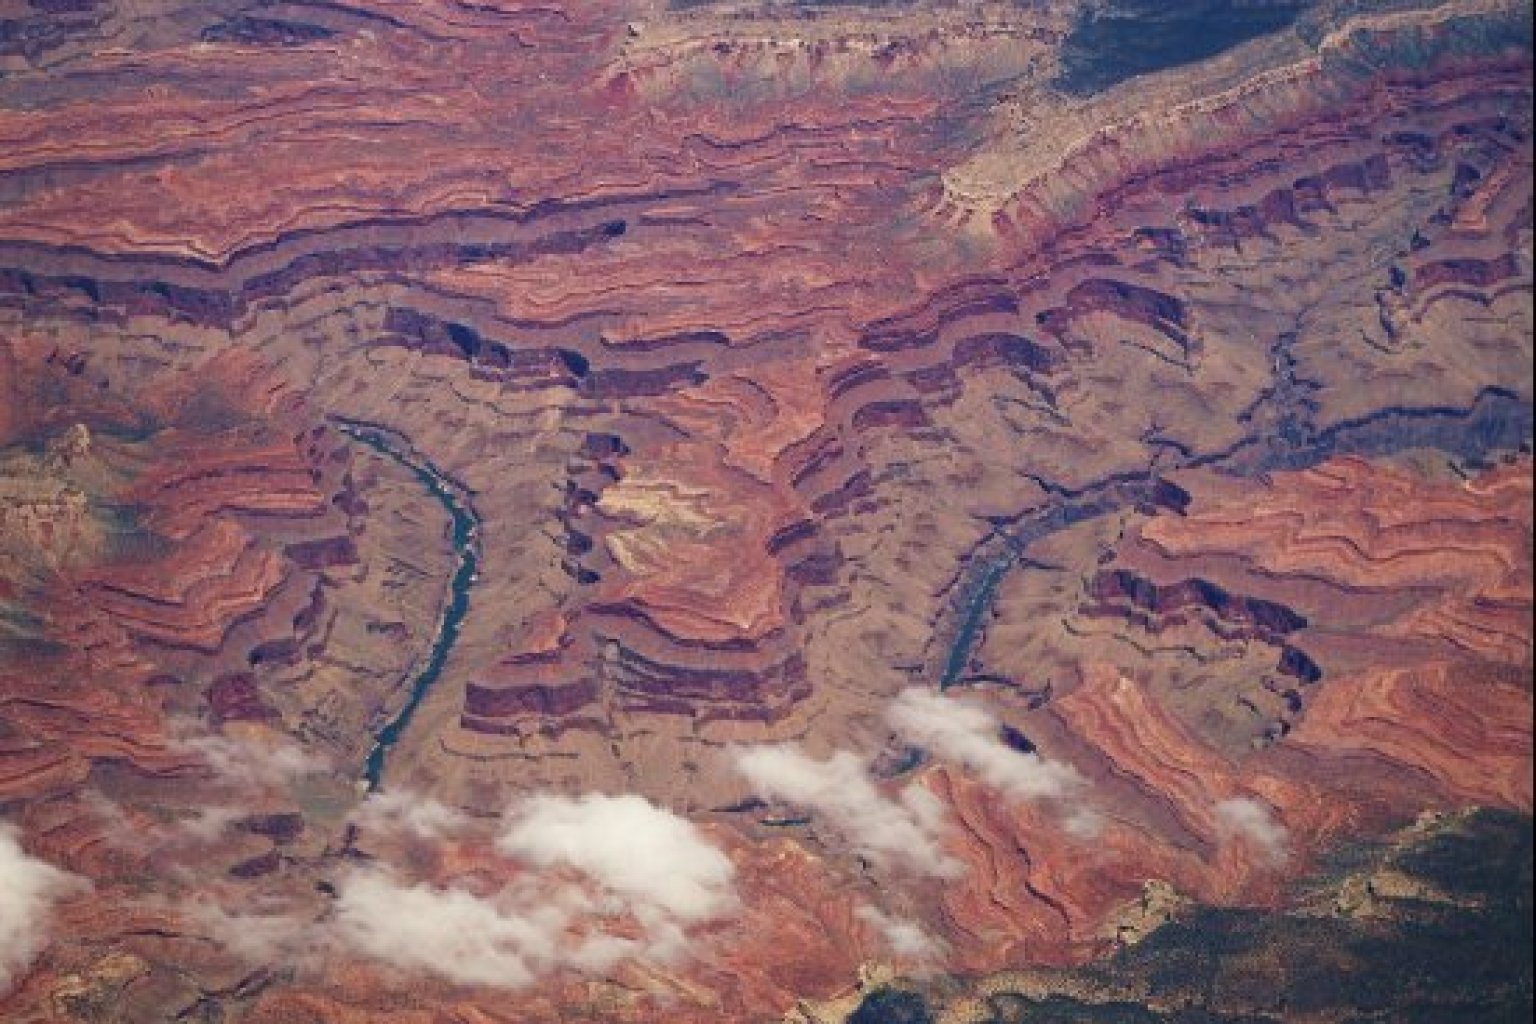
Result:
{"points": [[787, 357]]}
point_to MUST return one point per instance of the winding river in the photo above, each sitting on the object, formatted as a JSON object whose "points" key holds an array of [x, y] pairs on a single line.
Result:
{"points": [[1498, 421], [465, 536]]}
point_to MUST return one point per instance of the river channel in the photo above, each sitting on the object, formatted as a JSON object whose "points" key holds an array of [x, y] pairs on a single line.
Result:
{"points": [[1498, 421], [465, 537]]}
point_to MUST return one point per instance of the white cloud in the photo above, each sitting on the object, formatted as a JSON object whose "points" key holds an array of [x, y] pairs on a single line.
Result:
{"points": [[28, 889], [649, 857], [966, 734], [504, 940], [587, 867], [1243, 819], [410, 813], [908, 830], [904, 831], [903, 938]]}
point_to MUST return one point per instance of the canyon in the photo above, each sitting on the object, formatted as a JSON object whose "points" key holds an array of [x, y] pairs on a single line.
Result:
{"points": [[414, 410]]}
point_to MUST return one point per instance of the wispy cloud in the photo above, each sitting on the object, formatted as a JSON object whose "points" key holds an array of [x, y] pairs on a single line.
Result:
{"points": [[244, 772], [903, 831], [588, 882], [198, 826], [907, 829], [29, 887], [263, 934], [902, 938], [412, 814], [969, 735], [658, 864], [1245, 820], [250, 763], [505, 939]]}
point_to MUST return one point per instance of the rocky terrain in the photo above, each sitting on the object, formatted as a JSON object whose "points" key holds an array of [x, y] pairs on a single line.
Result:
{"points": [[975, 499], [1427, 918]]}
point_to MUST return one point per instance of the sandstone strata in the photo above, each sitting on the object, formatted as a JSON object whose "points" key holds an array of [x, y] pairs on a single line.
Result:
{"points": [[787, 358]]}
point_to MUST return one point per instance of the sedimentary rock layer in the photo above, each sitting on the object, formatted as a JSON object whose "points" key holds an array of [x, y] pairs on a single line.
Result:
{"points": [[789, 356]]}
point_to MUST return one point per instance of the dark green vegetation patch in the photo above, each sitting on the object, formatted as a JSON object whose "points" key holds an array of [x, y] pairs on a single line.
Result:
{"points": [[1121, 39], [1457, 949], [892, 1006]]}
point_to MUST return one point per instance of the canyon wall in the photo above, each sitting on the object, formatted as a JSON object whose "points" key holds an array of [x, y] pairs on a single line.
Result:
{"points": [[791, 357]]}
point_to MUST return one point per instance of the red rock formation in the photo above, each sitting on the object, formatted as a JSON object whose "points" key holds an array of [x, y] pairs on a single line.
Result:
{"points": [[1432, 688], [755, 337], [214, 579], [1470, 736], [1404, 718]]}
